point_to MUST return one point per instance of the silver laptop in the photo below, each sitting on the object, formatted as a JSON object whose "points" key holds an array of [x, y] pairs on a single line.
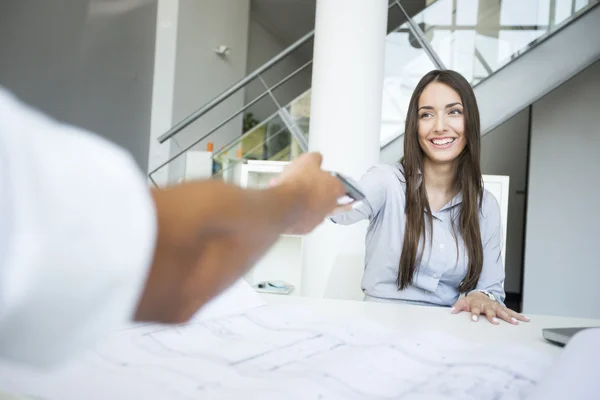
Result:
{"points": [[561, 336]]}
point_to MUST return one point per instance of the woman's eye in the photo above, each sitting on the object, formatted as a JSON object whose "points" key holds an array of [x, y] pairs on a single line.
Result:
{"points": [[455, 112], [425, 115]]}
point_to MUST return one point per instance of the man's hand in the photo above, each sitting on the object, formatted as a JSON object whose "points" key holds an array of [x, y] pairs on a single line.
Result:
{"points": [[210, 233], [316, 189]]}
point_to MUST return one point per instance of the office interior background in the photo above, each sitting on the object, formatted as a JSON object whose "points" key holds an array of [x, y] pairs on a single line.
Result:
{"points": [[129, 70]]}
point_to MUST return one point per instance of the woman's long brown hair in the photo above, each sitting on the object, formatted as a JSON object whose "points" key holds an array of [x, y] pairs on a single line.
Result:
{"points": [[468, 180]]}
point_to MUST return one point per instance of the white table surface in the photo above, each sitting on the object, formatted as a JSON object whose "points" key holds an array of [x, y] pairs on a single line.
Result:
{"points": [[410, 319]]}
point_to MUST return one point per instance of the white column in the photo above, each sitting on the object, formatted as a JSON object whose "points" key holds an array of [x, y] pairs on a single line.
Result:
{"points": [[347, 85], [163, 87]]}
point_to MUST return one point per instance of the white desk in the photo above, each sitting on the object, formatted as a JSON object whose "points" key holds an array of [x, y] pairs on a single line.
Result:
{"points": [[410, 319]]}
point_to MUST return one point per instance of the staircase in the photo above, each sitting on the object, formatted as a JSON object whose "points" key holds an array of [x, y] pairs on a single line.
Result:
{"points": [[513, 52]]}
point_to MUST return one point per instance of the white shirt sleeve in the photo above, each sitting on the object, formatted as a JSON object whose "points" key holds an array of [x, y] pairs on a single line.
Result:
{"points": [[77, 231]]}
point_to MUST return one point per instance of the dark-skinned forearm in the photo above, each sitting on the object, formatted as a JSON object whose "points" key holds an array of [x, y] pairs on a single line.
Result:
{"points": [[218, 231], [211, 206]]}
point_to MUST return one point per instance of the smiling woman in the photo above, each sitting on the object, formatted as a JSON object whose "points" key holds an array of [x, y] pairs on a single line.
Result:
{"points": [[434, 232]]}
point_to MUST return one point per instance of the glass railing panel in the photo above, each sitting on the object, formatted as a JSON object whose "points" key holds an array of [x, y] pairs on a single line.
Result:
{"points": [[478, 37], [473, 37], [233, 113], [405, 63], [299, 111], [296, 86], [270, 140], [225, 123]]}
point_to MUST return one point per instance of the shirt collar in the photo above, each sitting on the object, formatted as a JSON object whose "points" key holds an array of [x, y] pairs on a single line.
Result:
{"points": [[456, 200]]}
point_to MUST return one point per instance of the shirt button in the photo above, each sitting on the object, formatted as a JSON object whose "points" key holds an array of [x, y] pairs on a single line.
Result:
{"points": [[441, 246]]}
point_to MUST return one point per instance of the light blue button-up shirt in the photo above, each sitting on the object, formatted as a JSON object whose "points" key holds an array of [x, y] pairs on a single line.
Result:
{"points": [[443, 265]]}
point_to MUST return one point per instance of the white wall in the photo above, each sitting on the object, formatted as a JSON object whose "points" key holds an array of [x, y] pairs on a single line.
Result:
{"points": [[263, 45], [504, 152], [201, 75], [89, 66], [163, 88], [562, 266]]}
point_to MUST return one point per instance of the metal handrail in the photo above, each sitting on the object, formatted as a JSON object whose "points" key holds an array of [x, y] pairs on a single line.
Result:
{"points": [[184, 123], [234, 88], [535, 42], [239, 85], [231, 117], [245, 107], [412, 27]]}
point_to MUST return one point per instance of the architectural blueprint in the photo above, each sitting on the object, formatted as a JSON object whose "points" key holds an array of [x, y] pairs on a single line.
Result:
{"points": [[285, 353]]}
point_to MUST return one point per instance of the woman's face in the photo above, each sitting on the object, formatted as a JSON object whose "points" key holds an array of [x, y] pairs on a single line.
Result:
{"points": [[441, 123]]}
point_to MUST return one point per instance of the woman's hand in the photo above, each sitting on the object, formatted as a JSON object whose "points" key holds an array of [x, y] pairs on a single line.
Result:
{"points": [[478, 303]]}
